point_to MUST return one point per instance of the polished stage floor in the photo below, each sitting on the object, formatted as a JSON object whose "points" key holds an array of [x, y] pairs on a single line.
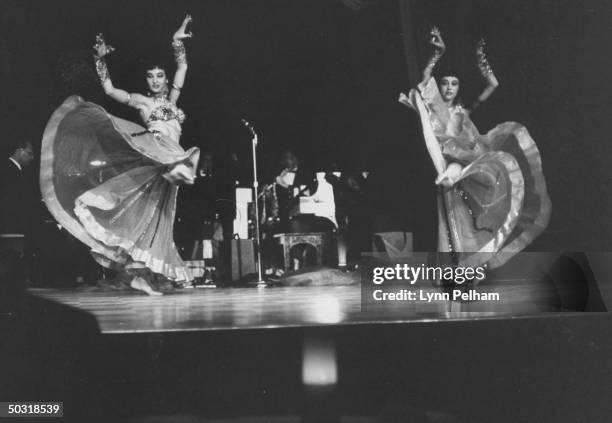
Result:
{"points": [[229, 352], [129, 311]]}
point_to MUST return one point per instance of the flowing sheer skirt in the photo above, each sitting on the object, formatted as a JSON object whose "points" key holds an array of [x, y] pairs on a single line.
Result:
{"points": [[106, 180], [500, 203]]}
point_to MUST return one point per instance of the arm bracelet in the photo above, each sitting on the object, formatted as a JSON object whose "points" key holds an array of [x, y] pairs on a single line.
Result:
{"points": [[101, 69], [483, 63], [435, 58], [180, 54]]}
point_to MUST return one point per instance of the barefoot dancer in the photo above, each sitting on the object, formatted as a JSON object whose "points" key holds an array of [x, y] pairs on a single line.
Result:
{"points": [[492, 200], [113, 183]]}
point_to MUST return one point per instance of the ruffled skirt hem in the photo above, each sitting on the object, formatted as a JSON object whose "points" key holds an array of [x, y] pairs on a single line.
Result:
{"points": [[104, 180]]}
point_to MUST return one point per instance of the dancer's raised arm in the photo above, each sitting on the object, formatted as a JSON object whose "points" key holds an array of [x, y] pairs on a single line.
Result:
{"points": [[487, 74], [180, 56], [439, 48], [102, 50]]}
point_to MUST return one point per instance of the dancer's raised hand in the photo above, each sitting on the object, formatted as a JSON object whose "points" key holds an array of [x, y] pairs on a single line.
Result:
{"points": [[436, 39], [181, 32], [101, 48]]}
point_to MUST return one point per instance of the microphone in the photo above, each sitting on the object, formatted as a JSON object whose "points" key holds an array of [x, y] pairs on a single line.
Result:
{"points": [[250, 128]]}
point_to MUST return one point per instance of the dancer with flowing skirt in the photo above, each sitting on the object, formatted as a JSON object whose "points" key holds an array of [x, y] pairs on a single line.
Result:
{"points": [[113, 183], [492, 198]]}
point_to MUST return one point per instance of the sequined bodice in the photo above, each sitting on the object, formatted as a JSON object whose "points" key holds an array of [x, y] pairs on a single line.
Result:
{"points": [[165, 110]]}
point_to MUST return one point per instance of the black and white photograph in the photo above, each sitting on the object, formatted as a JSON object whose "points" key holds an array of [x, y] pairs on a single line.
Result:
{"points": [[317, 211]]}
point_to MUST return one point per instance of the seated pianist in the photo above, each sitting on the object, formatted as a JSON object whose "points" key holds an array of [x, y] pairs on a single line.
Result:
{"points": [[306, 201], [303, 203]]}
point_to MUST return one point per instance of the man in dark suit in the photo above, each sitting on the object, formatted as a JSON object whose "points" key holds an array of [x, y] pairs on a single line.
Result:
{"points": [[13, 219], [13, 195], [295, 175]]}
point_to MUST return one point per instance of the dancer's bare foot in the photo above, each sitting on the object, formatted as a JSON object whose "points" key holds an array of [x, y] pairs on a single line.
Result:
{"points": [[142, 284]]}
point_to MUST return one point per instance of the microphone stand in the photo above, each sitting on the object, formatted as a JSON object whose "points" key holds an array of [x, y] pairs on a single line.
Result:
{"points": [[260, 282]]}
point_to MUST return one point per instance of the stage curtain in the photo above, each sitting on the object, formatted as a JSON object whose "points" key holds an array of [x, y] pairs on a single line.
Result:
{"points": [[409, 35]]}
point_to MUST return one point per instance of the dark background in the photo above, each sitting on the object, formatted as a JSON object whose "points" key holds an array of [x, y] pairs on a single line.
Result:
{"points": [[324, 77]]}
